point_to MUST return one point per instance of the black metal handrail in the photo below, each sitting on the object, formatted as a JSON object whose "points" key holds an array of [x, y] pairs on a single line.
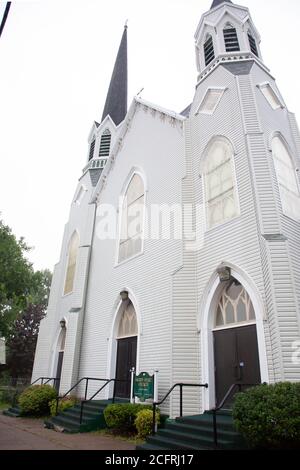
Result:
{"points": [[238, 385], [44, 378], [87, 379], [180, 385]]}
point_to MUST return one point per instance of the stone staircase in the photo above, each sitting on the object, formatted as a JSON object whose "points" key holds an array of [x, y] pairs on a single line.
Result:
{"points": [[93, 418], [196, 433]]}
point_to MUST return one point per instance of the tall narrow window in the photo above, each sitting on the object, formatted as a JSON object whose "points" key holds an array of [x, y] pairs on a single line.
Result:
{"points": [[71, 266], [92, 148], [287, 179], [105, 144], [209, 53], [252, 43], [231, 39], [132, 219], [219, 183]]}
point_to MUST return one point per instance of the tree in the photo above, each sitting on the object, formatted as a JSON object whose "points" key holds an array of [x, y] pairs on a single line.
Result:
{"points": [[16, 277], [22, 341]]}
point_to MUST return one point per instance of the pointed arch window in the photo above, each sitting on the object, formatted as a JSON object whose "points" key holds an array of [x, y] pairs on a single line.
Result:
{"points": [[71, 264], [252, 43], [234, 306], [230, 38], [128, 323], [92, 148], [287, 178], [209, 53], [105, 144], [219, 183], [132, 219]]}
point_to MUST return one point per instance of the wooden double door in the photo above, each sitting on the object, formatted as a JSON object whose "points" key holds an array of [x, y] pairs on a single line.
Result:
{"points": [[126, 359], [236, 359]]}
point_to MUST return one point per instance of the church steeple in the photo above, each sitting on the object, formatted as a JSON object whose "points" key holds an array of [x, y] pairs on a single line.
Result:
{"points": [[116, 100], [216, 3]]}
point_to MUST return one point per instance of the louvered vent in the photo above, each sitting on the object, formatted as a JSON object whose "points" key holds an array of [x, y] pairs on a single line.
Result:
{"points": [[252, 43], [105, 144], [231, 40], [92, 148], [209, 52]]}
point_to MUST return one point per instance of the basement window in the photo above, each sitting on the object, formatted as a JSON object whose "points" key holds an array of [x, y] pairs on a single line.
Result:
{"points": [[210, 101]]}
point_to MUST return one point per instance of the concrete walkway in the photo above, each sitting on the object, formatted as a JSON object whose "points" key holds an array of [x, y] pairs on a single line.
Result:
{"points": [[30, 434]]}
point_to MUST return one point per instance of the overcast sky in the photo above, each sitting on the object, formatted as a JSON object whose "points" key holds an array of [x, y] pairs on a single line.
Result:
{"points": [[56, 59]]}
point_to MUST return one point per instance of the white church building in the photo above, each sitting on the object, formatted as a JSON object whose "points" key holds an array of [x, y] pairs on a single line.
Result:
{"points": [[181, 252]]}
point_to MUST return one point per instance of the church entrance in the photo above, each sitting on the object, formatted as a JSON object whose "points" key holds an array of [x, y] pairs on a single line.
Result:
{"points": [[126, 359], [126, 349], [235, 341]]}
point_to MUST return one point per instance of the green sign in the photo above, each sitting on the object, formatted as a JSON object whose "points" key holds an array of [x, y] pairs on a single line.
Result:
{"points": [[143, 386]]}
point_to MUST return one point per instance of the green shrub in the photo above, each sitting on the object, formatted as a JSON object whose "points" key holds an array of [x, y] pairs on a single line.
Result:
{"points": [[143, 422], [269, 415], [121, 417], [34, 401], [63, 404]]}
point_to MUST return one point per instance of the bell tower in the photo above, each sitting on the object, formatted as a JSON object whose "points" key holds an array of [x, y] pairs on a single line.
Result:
{"points": [[226, 33]]}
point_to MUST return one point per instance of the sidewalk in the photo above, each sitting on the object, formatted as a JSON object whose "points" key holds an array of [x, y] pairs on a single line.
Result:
{"points": [[30, 434]]}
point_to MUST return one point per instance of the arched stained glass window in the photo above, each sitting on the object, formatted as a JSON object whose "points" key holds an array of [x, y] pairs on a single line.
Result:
{"points": [[287, 179], [128, 323], [132, 219], [234, 306], [71, 266], [220, 190]]}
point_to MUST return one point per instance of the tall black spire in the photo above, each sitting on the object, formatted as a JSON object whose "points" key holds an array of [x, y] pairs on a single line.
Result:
{"points": [[116, 100], [216, 3]]}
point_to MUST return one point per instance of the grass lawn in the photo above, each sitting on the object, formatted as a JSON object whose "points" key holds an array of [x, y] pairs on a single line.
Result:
{"points": [[130, 438]]}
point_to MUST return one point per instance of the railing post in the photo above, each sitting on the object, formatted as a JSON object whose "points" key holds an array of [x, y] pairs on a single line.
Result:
{"points": [[180, 406], [81, 411], [154, 419], [86, 387], [215, 428], [42, 381], [132, 370], [114, 392], [56, 409]]}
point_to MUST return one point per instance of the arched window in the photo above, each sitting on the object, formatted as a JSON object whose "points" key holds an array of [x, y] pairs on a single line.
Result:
{"points": [[105, 144], [287, 179], [252, 43], [128, 323], [92, 148], [71, 266], [132, 219], [230, 38], [234, 306], [209, 53], [219, 183]]}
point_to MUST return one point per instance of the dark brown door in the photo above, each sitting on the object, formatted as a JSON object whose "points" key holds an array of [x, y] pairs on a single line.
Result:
{"points": [[58, 369], [236, 359], [126, 359]]}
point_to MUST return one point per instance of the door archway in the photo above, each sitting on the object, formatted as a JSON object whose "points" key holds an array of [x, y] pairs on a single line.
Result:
{"points": [[236, 355], [126, 336], [60, 354]]}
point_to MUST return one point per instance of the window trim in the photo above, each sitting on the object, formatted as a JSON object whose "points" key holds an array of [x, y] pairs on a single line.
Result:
{"points": [[211, 88], [208, 229], [133, 172], [265, 85]]}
